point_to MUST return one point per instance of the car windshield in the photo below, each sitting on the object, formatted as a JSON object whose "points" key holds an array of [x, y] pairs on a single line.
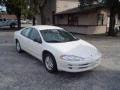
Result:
{"points": [[57, 36]]}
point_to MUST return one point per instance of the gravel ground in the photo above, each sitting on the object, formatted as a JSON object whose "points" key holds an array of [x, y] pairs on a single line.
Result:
{"points": [[24, 72]]}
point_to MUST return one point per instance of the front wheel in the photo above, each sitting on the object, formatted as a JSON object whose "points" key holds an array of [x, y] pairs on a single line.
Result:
{"points": [[18, 47], [50, 63]]}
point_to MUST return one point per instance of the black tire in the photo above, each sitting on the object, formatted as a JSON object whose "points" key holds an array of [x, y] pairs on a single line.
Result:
{"points": [[12, 25], [18, 47], [53, 69]]}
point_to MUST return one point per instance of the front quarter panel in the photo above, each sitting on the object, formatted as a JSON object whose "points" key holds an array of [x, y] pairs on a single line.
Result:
{"points": [[19, 37], [56, 53], [16, 35]]}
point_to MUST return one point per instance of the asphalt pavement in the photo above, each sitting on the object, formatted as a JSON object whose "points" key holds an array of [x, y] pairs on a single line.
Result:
{"points": [[24, 72]]}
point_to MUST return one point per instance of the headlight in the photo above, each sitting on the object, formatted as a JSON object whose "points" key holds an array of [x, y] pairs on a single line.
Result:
{"points": [[71, 58]]}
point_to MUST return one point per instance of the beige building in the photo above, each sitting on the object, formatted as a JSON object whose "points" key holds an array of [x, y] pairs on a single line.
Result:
{"points": [[88, 20], [54, 6], [93, 19], [62, 5]]}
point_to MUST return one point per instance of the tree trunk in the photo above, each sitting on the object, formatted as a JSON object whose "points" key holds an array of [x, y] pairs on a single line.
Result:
{"points": [[34, 20], [19, 20], [53, 17], [42, 16], [18, 15], [43, 21], [111, 31]]}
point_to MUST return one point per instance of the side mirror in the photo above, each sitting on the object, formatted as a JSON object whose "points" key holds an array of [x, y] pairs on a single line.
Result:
{"points": [[77, 38]]}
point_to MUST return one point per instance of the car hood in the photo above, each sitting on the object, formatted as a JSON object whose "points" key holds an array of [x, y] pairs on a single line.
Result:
{"points": [[79, 48]]}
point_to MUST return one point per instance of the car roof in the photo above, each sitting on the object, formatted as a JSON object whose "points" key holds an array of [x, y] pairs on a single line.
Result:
{"points": [[45, 27]]}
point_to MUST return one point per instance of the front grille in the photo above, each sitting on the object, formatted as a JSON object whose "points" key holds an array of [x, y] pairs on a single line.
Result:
{"points": [[86, 65]]}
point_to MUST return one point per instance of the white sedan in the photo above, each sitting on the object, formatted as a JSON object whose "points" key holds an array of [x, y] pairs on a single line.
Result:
{"points": [[58, 49]]}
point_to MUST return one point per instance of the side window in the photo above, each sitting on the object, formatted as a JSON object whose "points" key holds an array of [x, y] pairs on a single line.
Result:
{"points": [[26, 32], [35, 36], [100, 19], [73, 20]]}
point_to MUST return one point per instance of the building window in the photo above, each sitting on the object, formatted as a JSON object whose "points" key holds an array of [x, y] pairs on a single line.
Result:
{"points": [[72, 20], [61, 17], [100, 19]]}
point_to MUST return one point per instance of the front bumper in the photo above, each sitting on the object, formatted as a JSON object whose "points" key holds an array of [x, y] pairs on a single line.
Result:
{"points": [[78, 66]]}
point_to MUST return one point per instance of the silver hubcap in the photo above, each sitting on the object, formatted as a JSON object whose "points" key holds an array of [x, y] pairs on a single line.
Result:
{"points": [[48, 63], [18, 46]]}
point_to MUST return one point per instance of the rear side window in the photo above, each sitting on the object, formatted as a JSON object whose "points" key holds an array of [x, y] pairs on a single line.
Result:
{"points": [[25, 32], [34, 34]]}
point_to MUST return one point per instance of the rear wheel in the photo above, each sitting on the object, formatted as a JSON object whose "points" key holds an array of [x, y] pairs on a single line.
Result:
{"points": [[50, 63], [18, 47]]}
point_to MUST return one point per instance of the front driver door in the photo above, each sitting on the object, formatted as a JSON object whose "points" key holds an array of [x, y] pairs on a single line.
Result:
{"points": [[35, 43]]}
